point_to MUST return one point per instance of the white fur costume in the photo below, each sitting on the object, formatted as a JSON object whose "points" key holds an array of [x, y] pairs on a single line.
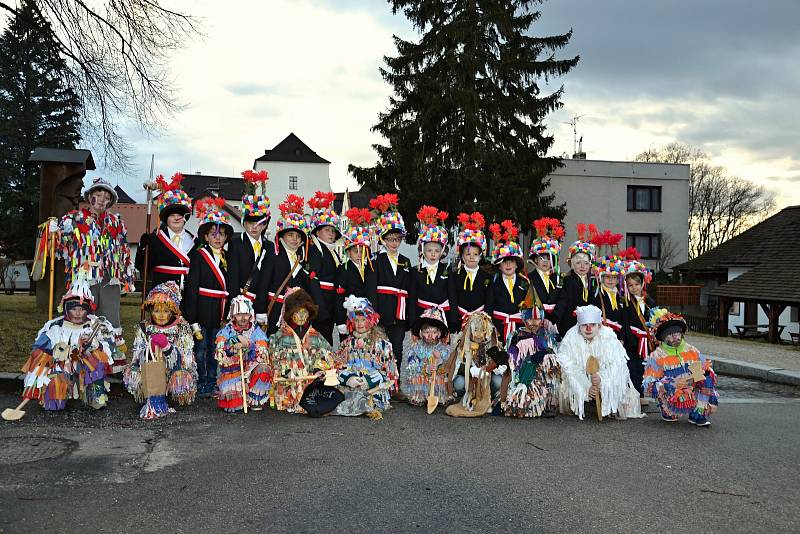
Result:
{"points": [[616, 389]]}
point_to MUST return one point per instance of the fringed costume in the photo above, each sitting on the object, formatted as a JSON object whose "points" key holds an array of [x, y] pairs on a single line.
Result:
{"points": [[469, 370], [617, 393], [296, 352], [95, 249], [677, 375], [368, 356], [59, 368], [257, 374], [665, 365], [176, 343], [535, 374], [425, 361]]}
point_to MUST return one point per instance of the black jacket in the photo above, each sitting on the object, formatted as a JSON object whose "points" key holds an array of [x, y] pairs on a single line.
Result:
{"points": [[616, 319], [437, 291], [164, 256], [322, 283], [634, 320], [381, 288], [548, 294], [470, 299], [570, 297], [241, 263], [270, 280], [349, 282], [208, 311], [499, 300]]}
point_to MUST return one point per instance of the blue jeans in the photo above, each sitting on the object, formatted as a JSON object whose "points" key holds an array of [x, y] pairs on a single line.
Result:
{"points": [[494, 384], [206, 362]]}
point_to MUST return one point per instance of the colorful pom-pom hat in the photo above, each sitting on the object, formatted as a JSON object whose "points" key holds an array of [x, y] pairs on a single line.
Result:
{"points": [[389, 218], [255, 202], [322, 213]]}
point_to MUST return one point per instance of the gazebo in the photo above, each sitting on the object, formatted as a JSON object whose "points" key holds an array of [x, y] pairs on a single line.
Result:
{"points": [[759, 268]]}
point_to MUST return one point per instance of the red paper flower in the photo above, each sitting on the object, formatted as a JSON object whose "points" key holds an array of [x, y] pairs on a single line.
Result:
{"points": [[292, 204], [321, 200], [173, 184], [254, 177], [382, 203], [358, 216], [431, 215]]}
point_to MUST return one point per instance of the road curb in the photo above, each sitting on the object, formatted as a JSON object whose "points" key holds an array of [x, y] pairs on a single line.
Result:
{"points": [[767, 373]]}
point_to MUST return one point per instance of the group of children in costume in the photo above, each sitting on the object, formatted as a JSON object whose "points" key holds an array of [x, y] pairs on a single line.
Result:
{"points": [[525, 343]]}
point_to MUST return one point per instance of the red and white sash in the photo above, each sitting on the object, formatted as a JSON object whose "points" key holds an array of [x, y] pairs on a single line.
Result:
{"points": [[215, 293], [510, 321], [464, 313], [641, 335], [167, 242], [401, 294], [327, 286], [171, 269]]}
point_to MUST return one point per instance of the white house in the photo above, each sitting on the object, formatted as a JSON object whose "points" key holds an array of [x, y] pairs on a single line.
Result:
{"points": [[646, 202], [293, 169]]}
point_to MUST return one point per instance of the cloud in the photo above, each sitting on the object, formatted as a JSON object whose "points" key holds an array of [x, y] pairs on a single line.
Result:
{"points": [[719, 74]]}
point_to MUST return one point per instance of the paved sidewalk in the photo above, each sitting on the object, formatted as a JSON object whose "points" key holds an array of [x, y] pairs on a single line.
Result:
{"points": [[782, 356], [750, 359]]}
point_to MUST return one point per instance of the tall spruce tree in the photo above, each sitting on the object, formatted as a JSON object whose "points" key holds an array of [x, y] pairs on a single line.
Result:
{"points": [[464, 126], [36, 109]]}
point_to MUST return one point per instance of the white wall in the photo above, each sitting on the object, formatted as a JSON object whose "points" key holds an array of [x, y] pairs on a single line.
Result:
{"points": [[311, 177], [596, 192], [738, 319]]}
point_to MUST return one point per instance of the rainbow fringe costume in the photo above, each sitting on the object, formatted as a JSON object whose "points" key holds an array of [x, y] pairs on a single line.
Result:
{"points": [[256, 369], [665, 365]]}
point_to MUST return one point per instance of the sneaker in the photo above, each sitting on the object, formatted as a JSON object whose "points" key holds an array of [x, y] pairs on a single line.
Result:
{"points": [[668, 417], [699, 420]]}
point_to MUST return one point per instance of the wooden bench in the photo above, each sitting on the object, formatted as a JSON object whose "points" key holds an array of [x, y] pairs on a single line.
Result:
{"points": [[752, 331], [795, 338]]}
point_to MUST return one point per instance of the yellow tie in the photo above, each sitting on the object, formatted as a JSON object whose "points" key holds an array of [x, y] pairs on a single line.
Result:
{"points": [[548, 284], [361, 267], [612, 296], [257, 248], [510, 286], [220, 258], [176, 238], [431, 275], [471, 278], [585, 291]]}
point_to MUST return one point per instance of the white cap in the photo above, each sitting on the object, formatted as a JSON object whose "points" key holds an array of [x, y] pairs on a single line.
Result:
{"points": [[589, 314], [241, 304]]}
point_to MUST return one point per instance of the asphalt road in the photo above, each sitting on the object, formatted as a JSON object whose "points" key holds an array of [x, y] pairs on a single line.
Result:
{"points": [[201, 470]]}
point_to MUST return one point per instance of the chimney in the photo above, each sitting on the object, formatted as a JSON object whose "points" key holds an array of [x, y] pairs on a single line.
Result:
{"points": [[580, 154]]}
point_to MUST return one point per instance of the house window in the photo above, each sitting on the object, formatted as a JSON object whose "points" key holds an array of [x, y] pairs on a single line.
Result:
{"points": [[648, 245], [794, 316], [293, 183], [644, 198]]}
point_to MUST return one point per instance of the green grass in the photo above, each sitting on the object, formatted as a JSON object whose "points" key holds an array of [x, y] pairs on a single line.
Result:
{"points": [[20, 321]]}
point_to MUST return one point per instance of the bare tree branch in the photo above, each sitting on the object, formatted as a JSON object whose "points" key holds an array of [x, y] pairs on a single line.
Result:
{"points": [[117, 54], [720, 206]]}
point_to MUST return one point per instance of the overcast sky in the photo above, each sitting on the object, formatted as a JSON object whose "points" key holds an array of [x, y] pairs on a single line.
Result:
{"points": [[721, 75]]}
